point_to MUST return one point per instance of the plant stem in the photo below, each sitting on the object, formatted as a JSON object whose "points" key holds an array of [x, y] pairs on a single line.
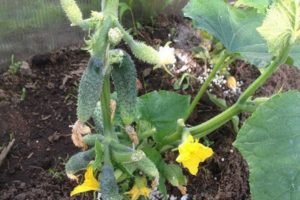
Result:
{"points": [[105, 106], [111, 8], [235, 109], [260, 80], [216, 122], [103, 3], [209, 126], [206, 127], [205, 85]]}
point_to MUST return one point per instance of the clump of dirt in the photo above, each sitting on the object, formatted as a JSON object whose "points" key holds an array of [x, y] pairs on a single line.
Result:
{"points": [[40, 122]]}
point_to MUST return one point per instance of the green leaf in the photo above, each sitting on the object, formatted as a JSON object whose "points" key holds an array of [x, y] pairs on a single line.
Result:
{"points": [[124, 7], [173, 173], [260, 5], [129, 168], [235, 123], [281, 26], [221, 103], [234, 27], [295, 55], [153, 155], [162, 187], [162, 109], [270, 142]]}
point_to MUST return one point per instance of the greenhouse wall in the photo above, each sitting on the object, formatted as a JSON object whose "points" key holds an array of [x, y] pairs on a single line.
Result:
{"points": [[29, 27]]}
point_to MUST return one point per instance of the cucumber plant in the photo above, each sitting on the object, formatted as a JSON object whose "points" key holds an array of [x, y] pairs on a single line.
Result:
{"points": [[123, 151]]}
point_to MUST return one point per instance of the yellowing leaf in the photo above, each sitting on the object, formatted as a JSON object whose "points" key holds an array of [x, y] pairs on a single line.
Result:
{"points": [[281, 25]]}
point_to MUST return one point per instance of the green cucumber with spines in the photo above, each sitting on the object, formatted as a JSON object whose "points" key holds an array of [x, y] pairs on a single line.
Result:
{"points": [[79, 161], [109, 187], [90, 88], [124, 78], [148, 167], [97, 118], [72, 11]]}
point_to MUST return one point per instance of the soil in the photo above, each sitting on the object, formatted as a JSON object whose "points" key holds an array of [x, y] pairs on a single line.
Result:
{"points": [[34, 168]]}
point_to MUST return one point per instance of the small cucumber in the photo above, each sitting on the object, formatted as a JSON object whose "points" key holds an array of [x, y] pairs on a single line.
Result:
{"points": [[109, 187], [97, 118], [148, 167], [90, 88], [72, 11], [79, 161], [124, 77]]}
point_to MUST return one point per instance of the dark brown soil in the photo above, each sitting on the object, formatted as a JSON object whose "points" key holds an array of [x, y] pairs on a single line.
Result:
{"points": [[40, 123]]}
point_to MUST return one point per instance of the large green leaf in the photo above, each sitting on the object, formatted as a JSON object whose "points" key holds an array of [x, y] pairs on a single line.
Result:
{"points": [[270, 142], [281, 27], [295, 55], [162, 109], [260, 5], [234, 27]]}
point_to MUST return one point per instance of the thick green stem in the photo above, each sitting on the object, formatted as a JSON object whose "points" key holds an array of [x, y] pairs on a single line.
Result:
{"points": [[110, 10], [205, 85], [103, 3], [111, 7], [105, 106], [235, 109], [217, 121], [206, 127], [261, 80]]}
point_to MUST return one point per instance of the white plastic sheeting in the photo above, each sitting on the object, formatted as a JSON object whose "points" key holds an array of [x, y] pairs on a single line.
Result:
{"points": [[29, 27]]}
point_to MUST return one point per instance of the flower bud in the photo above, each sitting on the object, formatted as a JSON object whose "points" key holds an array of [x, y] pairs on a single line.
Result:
{"points": [[231, 82], [115, 36], [97, 16]]}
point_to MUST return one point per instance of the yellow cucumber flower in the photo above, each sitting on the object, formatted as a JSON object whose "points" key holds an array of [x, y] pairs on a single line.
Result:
{"points": [[90, 183], [139, 189], [191, 153]]}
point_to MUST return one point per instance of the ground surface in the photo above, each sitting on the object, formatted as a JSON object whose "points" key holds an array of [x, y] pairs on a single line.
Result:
{"points": [[40, 122]]}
